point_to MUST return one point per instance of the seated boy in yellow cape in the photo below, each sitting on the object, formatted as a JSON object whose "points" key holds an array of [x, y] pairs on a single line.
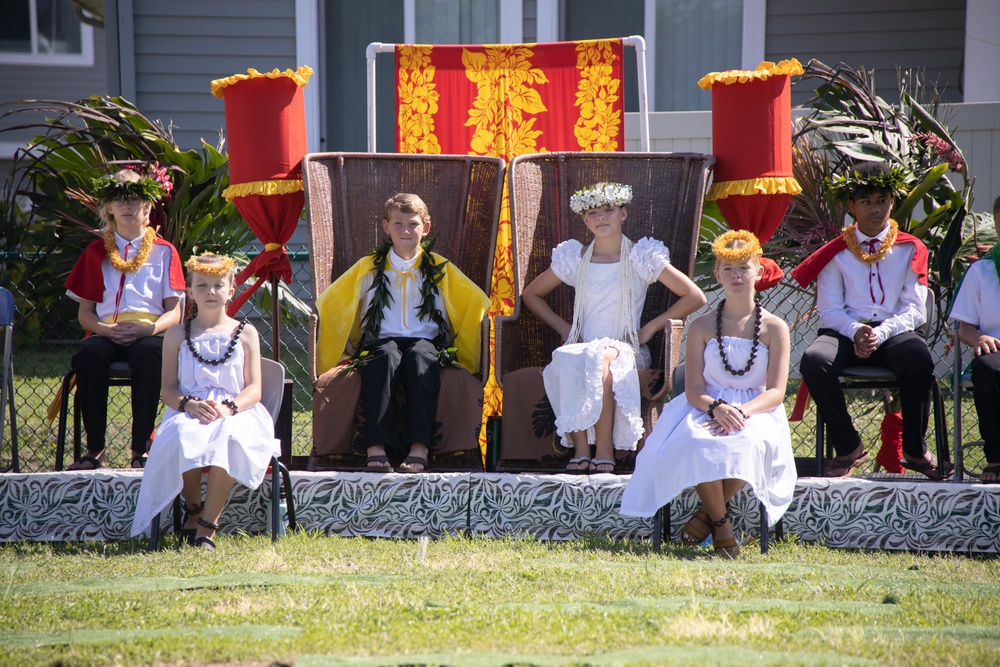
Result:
{"points": [[396, 312]]}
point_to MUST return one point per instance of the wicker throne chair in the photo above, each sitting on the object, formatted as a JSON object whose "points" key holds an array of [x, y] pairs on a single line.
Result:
{"points": [[345, 194], [668, 193]]}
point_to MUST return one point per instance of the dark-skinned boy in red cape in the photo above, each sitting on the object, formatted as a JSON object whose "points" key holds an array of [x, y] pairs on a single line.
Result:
{"points": [[871, 303]]}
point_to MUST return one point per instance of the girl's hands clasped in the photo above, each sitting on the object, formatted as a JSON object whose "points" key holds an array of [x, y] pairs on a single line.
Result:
{"points": [[205, 412], [728, 419]]}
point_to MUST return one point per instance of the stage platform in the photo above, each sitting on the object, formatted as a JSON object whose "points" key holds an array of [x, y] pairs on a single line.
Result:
{"points": [[893, 512]]}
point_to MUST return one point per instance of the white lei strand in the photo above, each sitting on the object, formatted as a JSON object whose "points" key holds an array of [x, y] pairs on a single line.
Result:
{"points": [[625, 320]]}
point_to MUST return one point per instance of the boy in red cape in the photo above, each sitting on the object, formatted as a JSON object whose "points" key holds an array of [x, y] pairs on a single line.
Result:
{"points": [[130, 286], [871, 294]]}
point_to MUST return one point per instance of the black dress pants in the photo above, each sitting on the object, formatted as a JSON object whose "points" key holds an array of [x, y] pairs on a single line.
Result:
{"points": [[986, 390], [91, 362], [409, 365], [906, 355]]}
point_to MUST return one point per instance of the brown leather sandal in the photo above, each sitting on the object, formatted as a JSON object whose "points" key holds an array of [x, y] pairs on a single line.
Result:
{"points": [[929, 469], [697, 535], [725, 547], [844, 466]]}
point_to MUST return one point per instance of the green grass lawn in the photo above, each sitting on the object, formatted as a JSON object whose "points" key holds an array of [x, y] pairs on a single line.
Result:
{"points": [[313, 600]]}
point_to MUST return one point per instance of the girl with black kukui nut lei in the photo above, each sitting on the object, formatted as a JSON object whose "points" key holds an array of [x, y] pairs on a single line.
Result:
{"points": [[730, 428], [214, 418]]}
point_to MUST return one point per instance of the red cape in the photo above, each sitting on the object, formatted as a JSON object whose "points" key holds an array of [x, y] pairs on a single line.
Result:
{"points": [[86, 280], [811, 266]]}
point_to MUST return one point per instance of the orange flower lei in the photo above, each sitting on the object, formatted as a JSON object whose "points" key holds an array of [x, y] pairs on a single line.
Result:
{"points": [[210, 264], [132, 265], [851, 239], [724, 254]]}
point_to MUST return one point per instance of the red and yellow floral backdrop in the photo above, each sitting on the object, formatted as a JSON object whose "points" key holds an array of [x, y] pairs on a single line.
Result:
{"points": [[505, 100]]}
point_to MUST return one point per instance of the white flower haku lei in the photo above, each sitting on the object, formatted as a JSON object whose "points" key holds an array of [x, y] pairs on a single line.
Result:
{"points": [[615, 194]]}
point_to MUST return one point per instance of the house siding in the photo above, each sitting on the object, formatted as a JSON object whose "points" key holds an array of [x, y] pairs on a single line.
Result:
{"points": [[183, 45], [977, 134], [908, 34], [45, 82]]}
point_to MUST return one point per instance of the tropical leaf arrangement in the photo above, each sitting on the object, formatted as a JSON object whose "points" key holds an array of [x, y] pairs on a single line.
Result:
{"points": [[850, 122], [49, 213], [847, 121]]}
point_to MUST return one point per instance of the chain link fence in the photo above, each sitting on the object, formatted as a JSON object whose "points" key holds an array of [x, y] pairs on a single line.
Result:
{"points": [[43, 352], [44, 347], [868, 407]]}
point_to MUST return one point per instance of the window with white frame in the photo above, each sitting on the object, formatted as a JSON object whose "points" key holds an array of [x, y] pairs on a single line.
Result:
{"points": [[685, 39], [44, 32]]}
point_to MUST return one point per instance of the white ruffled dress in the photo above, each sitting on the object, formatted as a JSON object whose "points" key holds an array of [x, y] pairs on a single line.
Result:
{"points": [[242, 444], [680, 453], [573, 379]]}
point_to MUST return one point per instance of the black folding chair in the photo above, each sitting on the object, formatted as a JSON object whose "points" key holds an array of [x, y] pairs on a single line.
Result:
{"points": [[7, 378]]}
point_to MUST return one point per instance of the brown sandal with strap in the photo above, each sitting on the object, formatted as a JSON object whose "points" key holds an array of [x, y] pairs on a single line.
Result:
{"points": [[727, 546], [844, 466], [697, 535]]}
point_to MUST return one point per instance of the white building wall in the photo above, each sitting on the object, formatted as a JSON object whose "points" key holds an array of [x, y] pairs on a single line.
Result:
{"points": [[978, 135]]}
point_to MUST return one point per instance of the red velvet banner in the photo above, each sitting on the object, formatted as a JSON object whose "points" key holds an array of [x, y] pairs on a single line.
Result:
{"points": [[752, 129], [753, 182], [265, 130]]}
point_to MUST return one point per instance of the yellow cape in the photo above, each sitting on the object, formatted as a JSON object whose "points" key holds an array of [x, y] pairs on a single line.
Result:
{"points": [[340, 316]]}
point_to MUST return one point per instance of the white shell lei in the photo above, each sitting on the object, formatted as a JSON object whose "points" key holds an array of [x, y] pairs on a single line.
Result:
{"points": [[625, 330]]}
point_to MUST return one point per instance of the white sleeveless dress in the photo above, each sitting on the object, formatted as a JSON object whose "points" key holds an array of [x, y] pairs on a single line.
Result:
{"points": [[573, 379], [242, 444], [680, 453]]}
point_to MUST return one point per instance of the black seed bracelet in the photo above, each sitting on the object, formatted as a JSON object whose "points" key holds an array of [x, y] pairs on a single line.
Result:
{"points": [[716, 403], [184, 401], [231, 404]]}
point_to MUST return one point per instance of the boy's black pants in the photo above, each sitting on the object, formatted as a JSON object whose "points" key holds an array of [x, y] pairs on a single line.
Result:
{"points": [[409, 365], [905, 354], [91, 362], [986, 390]]}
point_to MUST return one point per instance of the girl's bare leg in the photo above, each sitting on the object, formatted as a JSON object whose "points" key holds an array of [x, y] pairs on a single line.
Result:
{"points": [[713, 499], [604, 428], [216, 494], [581, 449], [192, 496]]}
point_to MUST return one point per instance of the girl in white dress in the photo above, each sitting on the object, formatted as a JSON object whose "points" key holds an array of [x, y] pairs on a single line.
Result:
{"points": [[214, 419], [592, 383], [730, 427]]}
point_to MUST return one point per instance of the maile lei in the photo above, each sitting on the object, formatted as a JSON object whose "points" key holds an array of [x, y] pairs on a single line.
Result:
{"points": [[371, 323], [995, 254]]}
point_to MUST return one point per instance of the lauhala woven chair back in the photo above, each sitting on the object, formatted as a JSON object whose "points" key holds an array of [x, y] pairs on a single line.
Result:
{"points": [[668, 192], [346, 193]]}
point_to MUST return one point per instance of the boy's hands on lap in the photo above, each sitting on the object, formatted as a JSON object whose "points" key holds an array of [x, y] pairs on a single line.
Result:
{"points": [[126, 333], [865, 342], [987, 345]]}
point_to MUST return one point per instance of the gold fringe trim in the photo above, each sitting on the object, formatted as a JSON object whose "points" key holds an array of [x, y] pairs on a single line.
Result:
{"points": [[768, 185], [266, 188], [299, 76], [764, 71]]}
